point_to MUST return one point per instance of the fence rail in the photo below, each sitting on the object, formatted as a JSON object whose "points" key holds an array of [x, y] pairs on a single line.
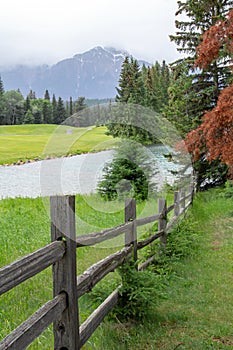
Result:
{"points": [[62, 310]]}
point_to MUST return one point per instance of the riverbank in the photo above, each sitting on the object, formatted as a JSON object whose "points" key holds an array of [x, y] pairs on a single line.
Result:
{"points": [[22, 144]]}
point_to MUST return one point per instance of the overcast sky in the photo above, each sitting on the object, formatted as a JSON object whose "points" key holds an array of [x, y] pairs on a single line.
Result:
{"points": [[46, 31]]}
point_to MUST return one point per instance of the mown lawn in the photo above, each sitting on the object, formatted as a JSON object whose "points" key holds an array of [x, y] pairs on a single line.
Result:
{"points": [[26, 142]]}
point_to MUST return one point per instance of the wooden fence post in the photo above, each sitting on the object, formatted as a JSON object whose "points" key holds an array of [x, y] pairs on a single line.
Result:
{"points": [[177, 203], [66, 329], [162, 223], [182, 199], [191, 192], [131, 236]]}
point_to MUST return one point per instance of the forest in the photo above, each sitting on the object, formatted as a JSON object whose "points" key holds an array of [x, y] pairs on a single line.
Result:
{"points": [[194, 93]]}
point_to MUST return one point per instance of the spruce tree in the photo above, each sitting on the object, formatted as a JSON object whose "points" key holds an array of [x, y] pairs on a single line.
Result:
{"points": [[200, 93], [71, 107], [2, 103], [27, 104], [46, 111], [46, 95], [1, 87], [206, 83], [60, 112], [80, 104], [125, 82], [54, 109]]}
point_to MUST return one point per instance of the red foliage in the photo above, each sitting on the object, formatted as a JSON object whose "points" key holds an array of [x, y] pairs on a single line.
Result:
{"points": [[214, 137], [217, 37]]}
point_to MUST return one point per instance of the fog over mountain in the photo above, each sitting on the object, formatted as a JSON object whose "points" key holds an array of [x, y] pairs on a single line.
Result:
{"points": [[93, 74]]}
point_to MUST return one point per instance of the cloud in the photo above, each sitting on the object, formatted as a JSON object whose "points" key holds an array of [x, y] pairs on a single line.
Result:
{"points": [[47, 31]]}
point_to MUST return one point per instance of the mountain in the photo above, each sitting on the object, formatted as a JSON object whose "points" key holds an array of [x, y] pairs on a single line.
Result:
{"points": [[93, 74]]}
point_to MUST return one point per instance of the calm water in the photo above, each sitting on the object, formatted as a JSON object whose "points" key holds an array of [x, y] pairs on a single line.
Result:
{"points": [[78, 174]]}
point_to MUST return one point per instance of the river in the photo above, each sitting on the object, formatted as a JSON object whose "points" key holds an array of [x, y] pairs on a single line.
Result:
{"points": [[69, 175]]}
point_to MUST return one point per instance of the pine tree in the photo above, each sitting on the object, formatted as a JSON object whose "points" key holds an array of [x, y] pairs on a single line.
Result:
{"points": [[54, 109], [1, 87], [80, 104], [46, 111], [27, 104], [71, 107], [46, 95], [214, 136], [60, 112], [2, 103], [206, 83], [32, 95], [131, 87], [125, 82]]}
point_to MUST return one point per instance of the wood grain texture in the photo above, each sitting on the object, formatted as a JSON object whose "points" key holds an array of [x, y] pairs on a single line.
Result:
{"points": [[23, 335], [95, 273], [66, 327], [98, 237], [28, 266], [94, 320]]}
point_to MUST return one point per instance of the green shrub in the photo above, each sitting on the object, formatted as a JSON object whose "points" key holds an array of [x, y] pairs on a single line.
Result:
{"points": [[139, 293], [228, 189], [128, 174]]}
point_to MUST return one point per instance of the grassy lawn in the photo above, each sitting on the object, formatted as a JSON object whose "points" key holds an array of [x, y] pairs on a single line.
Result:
{"points": [[196, 312], [25, 227], [24, 142]]}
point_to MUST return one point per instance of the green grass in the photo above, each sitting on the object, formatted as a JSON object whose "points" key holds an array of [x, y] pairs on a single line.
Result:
{"points": [[25, 227], [26, 142], [197, 311]]}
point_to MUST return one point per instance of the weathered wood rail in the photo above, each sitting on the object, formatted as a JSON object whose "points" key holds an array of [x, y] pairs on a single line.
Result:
{"points": [[62, 310]]}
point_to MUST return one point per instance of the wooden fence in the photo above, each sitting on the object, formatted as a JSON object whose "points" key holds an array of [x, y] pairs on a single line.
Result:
{"points": [[62, 310]]}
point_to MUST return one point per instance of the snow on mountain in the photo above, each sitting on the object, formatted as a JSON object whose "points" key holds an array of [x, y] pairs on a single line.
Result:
{"points": [[93, 74]]}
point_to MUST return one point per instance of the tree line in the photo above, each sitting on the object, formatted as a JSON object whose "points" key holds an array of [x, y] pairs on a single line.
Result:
{"points": [[15, 109], [195, 92], [145, 86]]}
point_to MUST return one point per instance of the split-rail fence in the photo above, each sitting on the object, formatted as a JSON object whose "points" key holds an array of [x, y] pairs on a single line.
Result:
{"points": [[62, 310]]}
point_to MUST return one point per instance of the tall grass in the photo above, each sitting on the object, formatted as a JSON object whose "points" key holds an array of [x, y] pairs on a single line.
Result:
{"points": [[25, 227], [197, 310]]}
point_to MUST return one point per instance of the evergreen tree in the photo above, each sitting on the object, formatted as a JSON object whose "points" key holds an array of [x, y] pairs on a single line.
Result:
{"points": [[206, 83], [125, 82], [60, 112], [202, 88], [80, 104], [32, 95], [129, 173], [46, 95], [54, 109], [46, 112], [131, 88], [180, 107], [1, 87], [2, 103], [27, 104], [71, 107]]}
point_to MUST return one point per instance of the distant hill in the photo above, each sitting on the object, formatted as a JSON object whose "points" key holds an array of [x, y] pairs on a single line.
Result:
{"points": [[93, 74]]}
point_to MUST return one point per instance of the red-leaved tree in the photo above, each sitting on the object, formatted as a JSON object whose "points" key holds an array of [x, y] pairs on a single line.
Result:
{"points": [[214, 137]]}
